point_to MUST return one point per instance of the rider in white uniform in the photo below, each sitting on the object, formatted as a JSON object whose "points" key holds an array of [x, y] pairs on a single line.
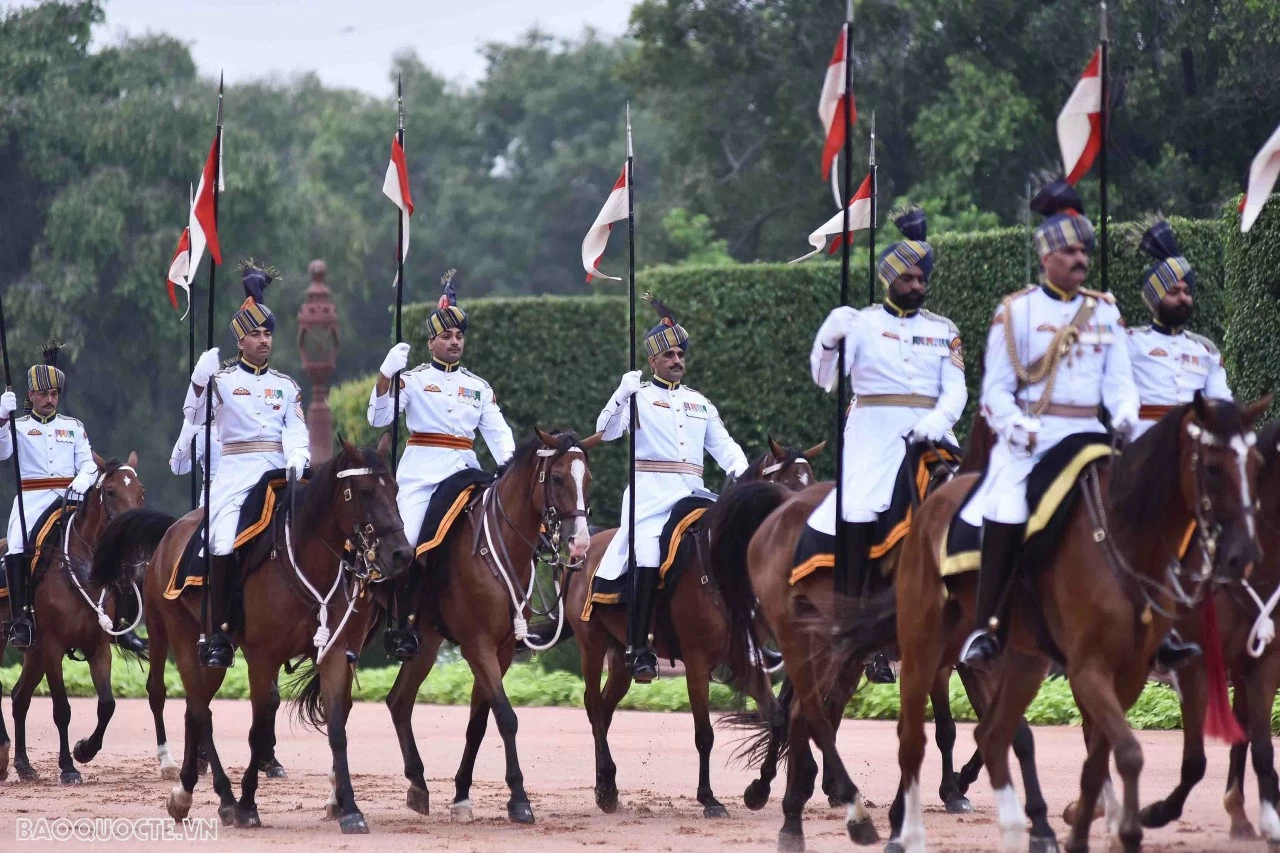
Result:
{"points": [[677, 425], [443, 404], [260, 429]]}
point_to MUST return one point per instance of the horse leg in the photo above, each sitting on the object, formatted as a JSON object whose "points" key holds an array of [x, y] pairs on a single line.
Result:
{"points": [[460, 811], [1016, 687], [335, 691], [918, 677], [272, 768], [1261, 694], [489, 678], [1233, 800], [1193, 696], [200, 685], [802, 772], [158, 651], [975, 689], [400, 702], [1094, 690], [944, 733], [698, 681], [757, 794], [100, 672], [834, 704], [600, 708], [32, 674], [261, 737], [62, 719]]}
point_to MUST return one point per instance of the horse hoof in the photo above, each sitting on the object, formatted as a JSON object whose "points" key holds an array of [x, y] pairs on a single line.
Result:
{"points": [[520, 813], [959, 805], [1069, 813], [70, 777], [1045, 844], [756, 796], [82, 754], [275, 770], [833, 801], [353, 824], [27, 773], [863, 832], [418, 800], [227, 814], [247, 817], [4, 761], [178, 805], [714, 809], [790, 842], [460, 812], [607, 799], [894, 847], [1243, 832], [332, 811]]}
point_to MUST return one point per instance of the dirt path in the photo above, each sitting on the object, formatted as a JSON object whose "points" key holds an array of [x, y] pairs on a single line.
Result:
{"points": [[657, 775]]}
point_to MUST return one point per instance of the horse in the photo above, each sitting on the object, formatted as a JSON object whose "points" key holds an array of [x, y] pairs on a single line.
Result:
{"points": [[1252, 660], [698, 633], [73, 612], [481, 607], [348, 536], [1196, 466]]}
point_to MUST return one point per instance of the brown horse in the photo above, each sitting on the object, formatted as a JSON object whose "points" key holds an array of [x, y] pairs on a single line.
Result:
{"points": [[70, 611], [347, 501], [1101, 603], [546, 482], [699, 635], [1253, 665]]}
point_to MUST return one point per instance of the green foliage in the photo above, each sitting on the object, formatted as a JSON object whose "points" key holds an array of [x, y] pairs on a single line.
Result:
{"points": [[1252, 263]]}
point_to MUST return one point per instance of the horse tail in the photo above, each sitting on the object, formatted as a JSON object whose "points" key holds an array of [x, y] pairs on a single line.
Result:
{"points": [[864, 630], [304, 688], [132, 537], [733, 521], [763, 728]]}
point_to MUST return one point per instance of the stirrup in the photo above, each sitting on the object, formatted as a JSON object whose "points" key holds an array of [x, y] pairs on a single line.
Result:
{"points": [[400, 644], [20, 633], [980, 650], [131, 642], [879, 670], [643, 665], [1173, 653], [217, 652]]}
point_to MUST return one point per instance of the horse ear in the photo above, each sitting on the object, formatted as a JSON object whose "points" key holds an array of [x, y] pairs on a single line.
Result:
{"points": [[1197, 404], [778, 451], [99, 461], [546, 438], [132, 461], [1254, 410], [591, 442], [815, 451], [351, 451]]}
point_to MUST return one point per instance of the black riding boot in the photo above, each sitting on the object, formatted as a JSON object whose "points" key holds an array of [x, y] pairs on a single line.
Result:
{"points": [[857, 579], [219, 652], [1173, 653], [401, 642], [20, 630], [641, 657], [1001, 545], [131, 642]]}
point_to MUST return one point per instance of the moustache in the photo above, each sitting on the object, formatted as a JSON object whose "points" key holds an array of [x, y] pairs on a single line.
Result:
{"points": [[1080, 268]]}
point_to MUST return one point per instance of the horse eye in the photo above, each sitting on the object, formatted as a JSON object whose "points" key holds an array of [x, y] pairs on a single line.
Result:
{"points": [[558, 479], [366, 492]]}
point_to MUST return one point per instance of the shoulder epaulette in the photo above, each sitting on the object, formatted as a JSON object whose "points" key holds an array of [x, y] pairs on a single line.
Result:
{"points": [[873, 307], [227, 368], [924, 312], [473, 376], [1205, 342], [275, 372], [1105, 296]]}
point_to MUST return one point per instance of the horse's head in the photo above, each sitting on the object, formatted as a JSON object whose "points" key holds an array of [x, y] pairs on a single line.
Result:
{"points": [[118, 488], [788, 466], [563, 485], [365, 497], [1219, 478]]}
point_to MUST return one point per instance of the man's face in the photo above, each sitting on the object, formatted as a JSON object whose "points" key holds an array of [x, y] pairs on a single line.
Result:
{"points": [[909, 289], [44, 403], [1176, 306], [256, 346], [447, 346], [668, 365], [1067, 268]]}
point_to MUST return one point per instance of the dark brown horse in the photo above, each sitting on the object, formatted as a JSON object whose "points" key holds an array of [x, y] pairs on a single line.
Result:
{"points": [[699, 635], [70, 612], [1253, 665], [546, 482], [306, 595], [1102, 603]]}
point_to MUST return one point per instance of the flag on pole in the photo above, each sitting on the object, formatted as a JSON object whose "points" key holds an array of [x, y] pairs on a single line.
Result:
{"points": [[831, 105], [1080, 122], [180, 269], [202, 212], [614, 210], [859, 220], [1262, 177], [395, 186]]}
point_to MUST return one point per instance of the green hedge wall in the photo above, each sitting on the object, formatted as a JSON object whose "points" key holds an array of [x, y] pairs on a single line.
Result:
{"points": [[554, 361], [1252, 309]]}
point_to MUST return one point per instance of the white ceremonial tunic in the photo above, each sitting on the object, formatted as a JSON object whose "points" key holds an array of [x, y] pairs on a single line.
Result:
{"points": [[1169, 369], [677, 425], [260, 426], [1096, 370], [180, 456], [54, 450], [444, 402], [888, 354]]}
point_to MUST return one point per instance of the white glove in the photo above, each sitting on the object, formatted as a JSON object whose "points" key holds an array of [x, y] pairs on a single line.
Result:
{"points": [[397, 358], [297, 464], [1022, 435], [8, 404], [932, 427], [85, 479], [1123, 423], [838, 326], [630, 385], [206, 366]]}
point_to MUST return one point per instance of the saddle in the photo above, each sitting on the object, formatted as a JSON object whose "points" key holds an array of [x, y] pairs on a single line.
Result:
{"points": [[49, 524], [676, 546], [448, 502], [916, 479]]}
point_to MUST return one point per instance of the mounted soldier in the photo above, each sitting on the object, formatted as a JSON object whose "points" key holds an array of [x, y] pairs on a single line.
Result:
{"points": [[677, 426], [261, 428], [1170, 364], [907, 371], [443, 404]]}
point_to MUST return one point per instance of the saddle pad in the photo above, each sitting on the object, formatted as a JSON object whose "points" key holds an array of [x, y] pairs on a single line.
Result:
{"points": [[816, 550], [675, 533], [447, 503], [48, 524], [1051, 492]]}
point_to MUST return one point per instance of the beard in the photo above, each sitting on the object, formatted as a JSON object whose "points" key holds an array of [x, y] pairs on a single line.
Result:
{"points": [[909, 301], [1174, 316]]}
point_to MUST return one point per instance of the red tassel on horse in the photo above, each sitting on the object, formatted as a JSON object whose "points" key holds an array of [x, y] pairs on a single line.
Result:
{"points": [[1219, 721]]}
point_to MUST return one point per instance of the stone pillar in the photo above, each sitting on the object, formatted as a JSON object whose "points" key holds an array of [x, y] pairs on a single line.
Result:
{"points": [[318, 344]]}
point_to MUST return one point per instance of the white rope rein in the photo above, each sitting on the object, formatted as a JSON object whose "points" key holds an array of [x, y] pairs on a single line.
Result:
{"points": [[1264, 627], [104, 621], [323, 639]]}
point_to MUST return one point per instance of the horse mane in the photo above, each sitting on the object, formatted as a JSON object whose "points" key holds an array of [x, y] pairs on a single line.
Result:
{"points": [[1269, 444], [526, 450], [315, 503]]}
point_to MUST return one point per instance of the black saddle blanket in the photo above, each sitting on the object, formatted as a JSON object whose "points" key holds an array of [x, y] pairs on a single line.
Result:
{"points": [[447, 503], [675, 544]]}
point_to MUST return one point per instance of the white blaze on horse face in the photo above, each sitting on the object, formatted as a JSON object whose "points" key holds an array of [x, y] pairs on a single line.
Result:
{"points": [[581, 537], [1241, 447], [1010, 818]]}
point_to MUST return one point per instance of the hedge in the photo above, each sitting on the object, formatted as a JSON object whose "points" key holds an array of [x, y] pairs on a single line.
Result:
{"points": [[554, 361], [1252, 310]]}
